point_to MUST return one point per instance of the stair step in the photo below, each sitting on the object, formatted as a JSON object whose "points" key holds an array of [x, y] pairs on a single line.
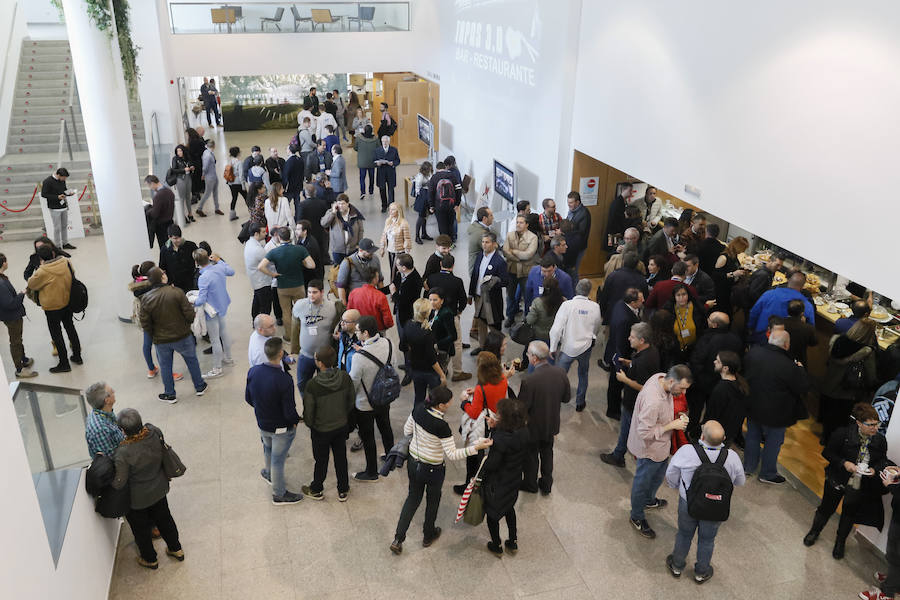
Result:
{"points": [[25, 92], [39, 75]]}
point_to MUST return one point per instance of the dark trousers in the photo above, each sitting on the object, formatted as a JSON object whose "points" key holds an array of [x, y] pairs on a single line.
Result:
{"points": [[276, 306], [262, 301], [540, 452], [614, 396], [891, 585], [422, 382], [696, 399], [472, 464], [16, 348], [363, 171], [494, 526], [445, 221], [366, 420], [162, 234], [421, 229], [142, 522], [324, 442], [386, 191], [215, 109], [236, 190], [56, 320], [831, 497], [426, 481]]}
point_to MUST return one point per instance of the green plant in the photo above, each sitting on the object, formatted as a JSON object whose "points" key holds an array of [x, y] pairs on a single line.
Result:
{"points": [[102, 12]]}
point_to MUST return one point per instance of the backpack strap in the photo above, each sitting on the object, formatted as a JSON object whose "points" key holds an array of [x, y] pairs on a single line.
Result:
{"points": [[723, 456], [704, 459]]}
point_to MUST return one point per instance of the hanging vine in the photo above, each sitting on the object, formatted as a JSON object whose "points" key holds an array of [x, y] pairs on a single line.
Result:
{"points": [[102, 12]]}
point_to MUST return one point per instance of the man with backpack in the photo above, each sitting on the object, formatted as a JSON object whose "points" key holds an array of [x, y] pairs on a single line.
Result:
{"points": [[705, 475], [445, 192], [368, 370]]}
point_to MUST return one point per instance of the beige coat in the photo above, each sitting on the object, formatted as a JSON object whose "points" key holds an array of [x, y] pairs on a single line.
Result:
{"points": [[402, 239], [521, 252], [53, 283]]}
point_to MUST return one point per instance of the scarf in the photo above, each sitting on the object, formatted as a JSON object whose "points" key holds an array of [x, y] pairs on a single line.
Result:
{"points": [[131, 439]]}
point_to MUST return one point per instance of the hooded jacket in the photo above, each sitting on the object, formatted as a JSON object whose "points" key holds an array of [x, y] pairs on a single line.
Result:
{"points": [[327, 401], [53, 282], [353, 226], [166, 314]]}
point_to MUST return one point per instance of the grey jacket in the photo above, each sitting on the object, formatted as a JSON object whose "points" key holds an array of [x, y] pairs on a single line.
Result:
{"points": [[338, 174], [139, 464], [304, 136], [365, 151], [336, 240], [363, 370], [350, 276]]}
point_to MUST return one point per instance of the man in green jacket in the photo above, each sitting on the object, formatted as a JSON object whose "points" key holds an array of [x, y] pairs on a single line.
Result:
{"points": [[327, 403]]}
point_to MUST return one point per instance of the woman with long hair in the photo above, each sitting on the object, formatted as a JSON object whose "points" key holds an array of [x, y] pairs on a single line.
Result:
{"points": [[196, 145], [430, 441], [502, 473], [279, 209], [727, 403], [690, 319], [418, 343], [139, 286], [395, 238], [420, 193], [850, 375], [541, 314], [491, 387], [658, 269], [662, 325], [183, 171], [727, 272]]}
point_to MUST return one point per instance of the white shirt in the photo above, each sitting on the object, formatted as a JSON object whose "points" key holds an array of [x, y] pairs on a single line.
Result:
{"points": [[254, 252], [576, 337], [482, 269], [256, 353]]}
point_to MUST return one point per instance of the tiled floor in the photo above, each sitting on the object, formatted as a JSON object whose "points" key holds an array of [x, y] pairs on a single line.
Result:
{"points": [[576, 543]]}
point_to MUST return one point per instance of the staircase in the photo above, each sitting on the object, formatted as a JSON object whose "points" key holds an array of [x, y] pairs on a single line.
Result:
{"points": [[41, 102]]}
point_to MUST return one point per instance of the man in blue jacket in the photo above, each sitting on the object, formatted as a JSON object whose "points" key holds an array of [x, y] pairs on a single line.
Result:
{"points": [[537, 274], [214, 294], [270, 391], [775, 302]]}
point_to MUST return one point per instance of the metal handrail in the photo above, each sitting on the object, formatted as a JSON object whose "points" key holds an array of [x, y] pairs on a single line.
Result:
{"points": [[154, 133], [72, 112], [64, 135]]}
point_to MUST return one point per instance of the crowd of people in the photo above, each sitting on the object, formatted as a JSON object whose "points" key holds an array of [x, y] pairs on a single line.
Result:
{"points": [[695, 345]]}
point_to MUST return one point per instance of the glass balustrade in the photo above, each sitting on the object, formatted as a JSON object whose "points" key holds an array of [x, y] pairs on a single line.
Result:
{"points": [[297, 17]]}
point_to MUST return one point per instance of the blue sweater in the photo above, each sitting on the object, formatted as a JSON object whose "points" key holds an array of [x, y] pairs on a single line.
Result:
{"points": [[536, 280], [270, 391], [775, 302]]}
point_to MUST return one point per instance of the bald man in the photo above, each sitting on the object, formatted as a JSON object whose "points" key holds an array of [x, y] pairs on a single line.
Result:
{"points": [[345, 334], [679, 475], [717, 337], [263, 329]]}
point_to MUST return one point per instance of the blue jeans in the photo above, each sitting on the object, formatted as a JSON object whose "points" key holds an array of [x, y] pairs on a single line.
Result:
{"points": [[706, 539], [514, 295], [148, 350], [337, 258], [622, 444], [647, 478], [362, 179], [774, 439], [306, 368], [219, 338], [422, 382], [275, 450], [188, 351], [584, 362]]}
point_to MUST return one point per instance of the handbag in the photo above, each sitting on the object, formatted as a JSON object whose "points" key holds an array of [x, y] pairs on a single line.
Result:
{"points": [[171, 462], [471, 505], [522, 333], [478, 426]]}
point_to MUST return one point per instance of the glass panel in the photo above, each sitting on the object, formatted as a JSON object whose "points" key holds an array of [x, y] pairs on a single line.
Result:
{"points": [[296, 17]]}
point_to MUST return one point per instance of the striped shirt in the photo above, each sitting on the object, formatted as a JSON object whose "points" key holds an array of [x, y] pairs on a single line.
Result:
{"points": [[432, 438], [102, 433]]}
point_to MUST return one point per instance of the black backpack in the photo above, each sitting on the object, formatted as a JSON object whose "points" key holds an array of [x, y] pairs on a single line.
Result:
{"points": [[78, 295], [386, 385], [709, 497]]}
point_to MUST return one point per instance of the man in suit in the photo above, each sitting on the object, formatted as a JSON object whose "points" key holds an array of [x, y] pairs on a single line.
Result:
{"points": [[454, 299], [618, 281], [387, 159], [488, 278], [542, 393], [702, 282], [581, 231], [715, 339], [292, 174], [405, 289], [338, 176], [318, 161], [625, 313], [484, 218], [161, 212], [312, 208], [662, 291], [665, 242], [275, 166]]}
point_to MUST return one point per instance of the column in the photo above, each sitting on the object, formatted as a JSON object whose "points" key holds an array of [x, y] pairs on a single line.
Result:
{"points": [[107, 128]]}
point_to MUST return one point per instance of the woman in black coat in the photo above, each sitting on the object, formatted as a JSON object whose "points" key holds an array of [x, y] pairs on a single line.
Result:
{"points": [[196, 146], [502, 472], [847, 448], [850, 375]]}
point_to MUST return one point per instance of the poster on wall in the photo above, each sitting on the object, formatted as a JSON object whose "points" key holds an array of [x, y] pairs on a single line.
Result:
{"points": [[504, 182], [426, 130], [588, 188]]}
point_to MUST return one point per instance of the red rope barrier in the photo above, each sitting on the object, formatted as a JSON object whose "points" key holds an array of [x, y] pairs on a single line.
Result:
{"points": [[3, 204]]}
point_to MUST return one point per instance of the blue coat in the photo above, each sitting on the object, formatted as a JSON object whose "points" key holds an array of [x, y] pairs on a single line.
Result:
{"points": [[615, 286], [292, 176], [387, 175], [496, 268], [621, 318], [775, 302], [535, 281], [11, 305]]}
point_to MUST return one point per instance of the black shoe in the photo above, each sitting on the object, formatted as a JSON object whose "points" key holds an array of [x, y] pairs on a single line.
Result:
{"points": [[603, 364], [466, 346], [168, 398], [76, 358], [459, 489], [426, 542], [419, 241], [407, 379], [279, 322], [367, 477], [495, 549], [670, 563], [60, 368], [838, 552], [810, 538], [703, 578], [777, 480], [511, 546], [208, 350], [286, 498], [69, 246], [396, 546], [643, 528], [657, 503], [580, 407], [427, 238], [612, 459], [475, 352]]}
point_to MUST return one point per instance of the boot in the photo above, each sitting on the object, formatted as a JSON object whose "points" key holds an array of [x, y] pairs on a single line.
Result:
{"points": [[838, 551], [232, 216], [818, 525]]}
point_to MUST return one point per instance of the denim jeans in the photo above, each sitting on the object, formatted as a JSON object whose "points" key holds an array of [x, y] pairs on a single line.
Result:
{"points": [[363, 171], [275, 450], [187, 348], [514, 295], [706, 539], [625, 427], [338, 257], [422, 382], [219, 338], [306, 368], [774, 439], [148, 350], [584, 362], [419, 485], [647, 478]]}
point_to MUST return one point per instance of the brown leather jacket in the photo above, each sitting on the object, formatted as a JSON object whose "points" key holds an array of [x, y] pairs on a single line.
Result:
{"points": [[166, 314]]}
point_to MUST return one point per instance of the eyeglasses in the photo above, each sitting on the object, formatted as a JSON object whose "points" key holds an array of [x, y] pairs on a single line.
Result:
{"points": [[869, 424]]}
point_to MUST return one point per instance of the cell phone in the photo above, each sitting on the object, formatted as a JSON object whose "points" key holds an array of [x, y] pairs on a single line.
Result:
{"points": [[616, 365]]}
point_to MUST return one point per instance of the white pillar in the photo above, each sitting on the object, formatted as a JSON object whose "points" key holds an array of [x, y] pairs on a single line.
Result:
{"points": [[107, 127]]}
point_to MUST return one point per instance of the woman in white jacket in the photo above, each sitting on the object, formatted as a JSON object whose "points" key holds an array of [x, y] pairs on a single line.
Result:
{"points": [[279, 209]]}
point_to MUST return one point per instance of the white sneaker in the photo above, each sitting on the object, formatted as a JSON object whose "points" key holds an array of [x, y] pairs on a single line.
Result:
{"points": [[213, 373], [228, 362]]}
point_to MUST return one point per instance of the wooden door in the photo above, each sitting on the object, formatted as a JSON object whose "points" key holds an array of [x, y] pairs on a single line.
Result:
{"points": [[412, 100]]}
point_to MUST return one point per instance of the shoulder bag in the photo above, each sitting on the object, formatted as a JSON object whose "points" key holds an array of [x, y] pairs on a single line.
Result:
{"points": [[472, 429], [171, 462], [78, 295]]}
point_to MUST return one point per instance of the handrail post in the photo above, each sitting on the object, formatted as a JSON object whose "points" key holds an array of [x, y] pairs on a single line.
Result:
{"points": [[68, 142], [62, 123], [41, 430]]}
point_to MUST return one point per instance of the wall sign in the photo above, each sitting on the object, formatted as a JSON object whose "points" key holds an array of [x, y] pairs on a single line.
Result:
{"points": [[588, 189]]}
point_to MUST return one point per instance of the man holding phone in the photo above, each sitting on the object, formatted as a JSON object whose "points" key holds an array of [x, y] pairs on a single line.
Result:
{"points": [[53, 189]]}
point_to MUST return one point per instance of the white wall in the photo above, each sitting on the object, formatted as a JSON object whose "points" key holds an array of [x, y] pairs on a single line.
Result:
{"points": [[12, 26], [784, 114], [502, 102]]}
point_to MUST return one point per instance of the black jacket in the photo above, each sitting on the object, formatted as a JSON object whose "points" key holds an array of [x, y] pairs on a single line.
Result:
{"points": [[778, 387], [705, 350], [708, 253], [843, 353], [312, 162], [453, 288], [644, 364], [727, 405], [292, 173], [432, 266], [51, 188], [179, 264], [432, 187], [502, 472], [803, 335], [542, 393], [11, 305], [408, 291], [418, 343], [706, 288], [620, 321], [315, 252], [444, 328], [843, 445], [615, 286], [275, 167]]}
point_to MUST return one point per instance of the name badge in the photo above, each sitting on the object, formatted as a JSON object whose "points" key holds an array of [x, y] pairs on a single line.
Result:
{"points": [[685, 333], [540, 290], [313, 330]]}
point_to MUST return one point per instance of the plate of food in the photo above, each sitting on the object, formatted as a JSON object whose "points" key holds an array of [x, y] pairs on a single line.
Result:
{"points": [[779, 279], [840, 306], [880, 315], [819, 301]]}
